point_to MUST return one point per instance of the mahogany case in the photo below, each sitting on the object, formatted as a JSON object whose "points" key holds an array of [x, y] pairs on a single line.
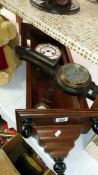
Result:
{"points": [[57, 127]]}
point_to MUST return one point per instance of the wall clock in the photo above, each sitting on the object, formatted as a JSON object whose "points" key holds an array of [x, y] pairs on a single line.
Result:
{"points": [[71, 78], [56, 128]]}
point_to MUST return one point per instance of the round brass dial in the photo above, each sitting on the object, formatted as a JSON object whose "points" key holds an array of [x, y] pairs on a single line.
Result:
{"points": [[74, 76]]}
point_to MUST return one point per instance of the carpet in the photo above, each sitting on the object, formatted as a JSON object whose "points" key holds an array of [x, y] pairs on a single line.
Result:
{"points": [[5, 132]]}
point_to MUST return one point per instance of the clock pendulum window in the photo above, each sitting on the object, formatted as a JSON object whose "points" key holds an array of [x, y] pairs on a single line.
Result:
{"points": [[56, 88]]}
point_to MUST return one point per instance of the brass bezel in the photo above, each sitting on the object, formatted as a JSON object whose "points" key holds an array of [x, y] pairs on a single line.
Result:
{"points": [[61, 77]]}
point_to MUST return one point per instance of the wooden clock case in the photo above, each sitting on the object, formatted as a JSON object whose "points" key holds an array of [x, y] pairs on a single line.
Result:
{"points": [[58, 127]]}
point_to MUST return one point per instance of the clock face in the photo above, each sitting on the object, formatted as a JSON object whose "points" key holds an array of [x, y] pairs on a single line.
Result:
{"points": [[49, 50], [74, 76]]}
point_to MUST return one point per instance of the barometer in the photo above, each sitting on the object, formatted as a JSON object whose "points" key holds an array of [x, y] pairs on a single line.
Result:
{"points": [[76, 79]]}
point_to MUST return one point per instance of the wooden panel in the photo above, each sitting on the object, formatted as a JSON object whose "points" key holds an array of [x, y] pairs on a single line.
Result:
{"points": [[6, 167], [57, 139]]}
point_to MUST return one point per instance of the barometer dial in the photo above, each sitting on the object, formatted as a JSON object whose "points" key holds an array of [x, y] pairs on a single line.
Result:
{"points": [[74, 76]]}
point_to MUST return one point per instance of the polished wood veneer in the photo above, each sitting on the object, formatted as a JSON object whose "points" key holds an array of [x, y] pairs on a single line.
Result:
{"points": [[56, 128]]}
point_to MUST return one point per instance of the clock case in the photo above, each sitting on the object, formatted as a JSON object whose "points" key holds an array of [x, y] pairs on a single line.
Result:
{"points": [[57, 127], [55, 69]]}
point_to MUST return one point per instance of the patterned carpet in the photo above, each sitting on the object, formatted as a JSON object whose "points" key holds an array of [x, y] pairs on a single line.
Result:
{"points": [[5, 132]]}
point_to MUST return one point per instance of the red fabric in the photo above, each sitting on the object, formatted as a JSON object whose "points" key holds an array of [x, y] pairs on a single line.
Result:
{"points": [[3, 63]]}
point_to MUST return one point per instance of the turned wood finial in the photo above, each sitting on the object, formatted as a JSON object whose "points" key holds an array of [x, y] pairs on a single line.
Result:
{"points": [[26, 129], [59, 166]]}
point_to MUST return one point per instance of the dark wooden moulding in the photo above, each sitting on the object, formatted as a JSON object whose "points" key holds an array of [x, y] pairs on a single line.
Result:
{"points": [[56, 128]]}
